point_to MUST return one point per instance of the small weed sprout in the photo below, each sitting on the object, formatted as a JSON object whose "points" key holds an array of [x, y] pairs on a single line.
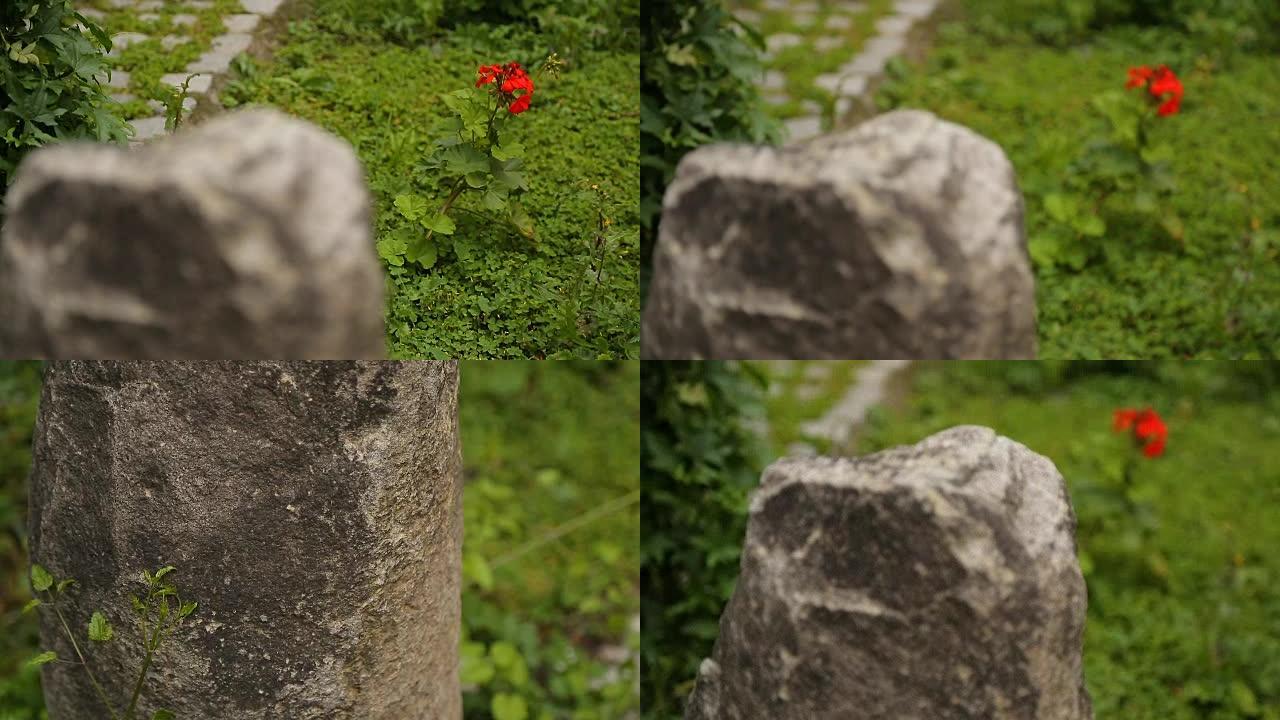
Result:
{"points": [[160, 612]]}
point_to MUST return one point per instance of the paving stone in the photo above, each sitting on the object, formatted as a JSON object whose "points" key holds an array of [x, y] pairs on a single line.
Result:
{"points": [[150, 5], [242, 23], [773, 80], [121, 3], [225, 49], [262, 7], [123, 97], [199, 4], [875, 54], [120, 41], [147, 128], [776, 4], [827, 43], [188, 105], [839, 23], [93, 13], [782, 41], [200, 84], [916, 8], [750, 17], [149, 17], [777, 98], [841, 83], [183, 20], [170, 42], [895, 25], [119, 79], [803, 127]]}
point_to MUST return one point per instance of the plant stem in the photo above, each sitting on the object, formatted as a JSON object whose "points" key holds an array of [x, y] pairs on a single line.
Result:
{"points": [[457, 190], [102, 695], [142, 676]]}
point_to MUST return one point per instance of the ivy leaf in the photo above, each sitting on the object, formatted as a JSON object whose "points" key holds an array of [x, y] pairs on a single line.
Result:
{"points": [[506, 706], [45, 657], [99, 629], [412, 207], [41, 580]]}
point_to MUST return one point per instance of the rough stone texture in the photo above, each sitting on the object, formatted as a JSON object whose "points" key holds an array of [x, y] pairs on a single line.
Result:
{"points": [[246, 237], [312, 509], [931, 582], [899, 239]]}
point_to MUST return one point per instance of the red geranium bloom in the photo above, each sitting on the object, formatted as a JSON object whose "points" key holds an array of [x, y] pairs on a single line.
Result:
{"points": [[508, 78], [1163, 85], [1149, 430]]}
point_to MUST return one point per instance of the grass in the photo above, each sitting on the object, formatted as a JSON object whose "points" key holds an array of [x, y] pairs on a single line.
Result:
{"points": [[505, 296], [1184, 605], [1210, 293], [551, 552]]}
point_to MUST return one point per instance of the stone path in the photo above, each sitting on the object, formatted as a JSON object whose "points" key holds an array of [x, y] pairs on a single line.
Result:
{"points": [[822, 56], [839, 424], [840, 395], [159, 43]]}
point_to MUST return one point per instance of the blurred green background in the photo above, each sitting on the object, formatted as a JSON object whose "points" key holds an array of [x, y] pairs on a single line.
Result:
{"points": [[1181, 553], [551, 595]]}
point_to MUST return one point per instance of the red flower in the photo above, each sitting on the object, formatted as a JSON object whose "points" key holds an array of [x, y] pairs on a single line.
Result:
{"points": [[1163, 85], [508, 79], [1149, 430]]}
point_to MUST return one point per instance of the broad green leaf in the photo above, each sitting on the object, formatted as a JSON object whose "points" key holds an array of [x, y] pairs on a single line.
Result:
{"points": [[392, 249], [44, 657], [187, 608], [424, 252], [100, 629], [476, 669], [520, 219], [476, 569], [477, 180], [440, 223], [494, 200], [31, 605], [41, 580], [462, 159], [506, 706], [509, 660], [412, 207], [1091, 225], [508, 151]]}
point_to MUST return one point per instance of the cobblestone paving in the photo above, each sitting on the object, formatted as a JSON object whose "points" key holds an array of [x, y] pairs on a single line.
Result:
{"points": [[158, 44], [823, 55]]}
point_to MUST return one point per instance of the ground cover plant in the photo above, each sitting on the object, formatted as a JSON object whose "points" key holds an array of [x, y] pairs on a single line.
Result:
{"points": [[551, 592], [1154, 239], [561, 282]]}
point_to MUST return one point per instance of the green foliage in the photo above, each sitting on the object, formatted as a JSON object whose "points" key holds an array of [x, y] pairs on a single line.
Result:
{"points": [[495, 293], [1178, 551], [551, 549], [1195, 276], [160, 613], [698, 86], [51, 77], [698, 465], [19, 685], [471, 157]]}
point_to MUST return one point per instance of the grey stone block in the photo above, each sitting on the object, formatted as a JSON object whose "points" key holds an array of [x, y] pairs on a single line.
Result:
{"points": [[200, 84], [262, 7], [225, 48]]}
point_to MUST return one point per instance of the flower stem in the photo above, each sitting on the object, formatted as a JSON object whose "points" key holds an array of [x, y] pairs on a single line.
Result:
{"points": [[102, 695], [146, 664]]}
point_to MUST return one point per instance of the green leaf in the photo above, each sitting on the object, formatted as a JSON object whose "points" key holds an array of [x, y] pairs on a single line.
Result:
{"points": [[463, 159], [31, 605], [1060, 207], [1243, 698], [512, 664], [1091, 225], [412, 207], [520, 219], [507, 151], [476, 669], [440, 223], [506, 706], [187, 608], [164, 571], [494, 200], [63, 585], [163, 714], [424, 252], [476, 569], [45, 657], [99, 629], [392, 249], [477, 180], [41, 580]]}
